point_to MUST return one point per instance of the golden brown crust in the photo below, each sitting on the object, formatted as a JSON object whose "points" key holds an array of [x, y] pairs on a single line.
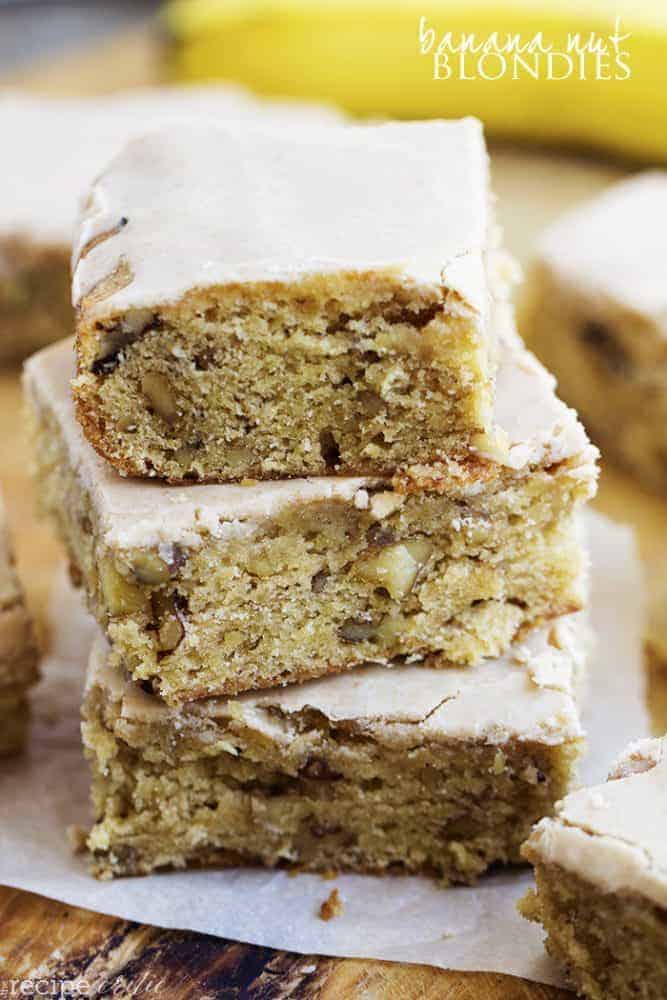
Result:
{"points": [[435, 475], [231, 688], [100, 866]]}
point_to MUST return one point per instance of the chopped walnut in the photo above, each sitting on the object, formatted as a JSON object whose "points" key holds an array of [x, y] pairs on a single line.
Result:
{"points": [[395, 567], [120, 596], [169, 622], [357, 630], [157, 390], [149, 568], [384, 504], [319, 581], [331, 907]]}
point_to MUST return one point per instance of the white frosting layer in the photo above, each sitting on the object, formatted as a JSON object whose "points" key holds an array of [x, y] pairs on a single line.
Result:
{"points": [[132, 512], [532, 425], [611, 250], [211, 206], [615, 835], [53, 148], [528, 694], [640, 756]]}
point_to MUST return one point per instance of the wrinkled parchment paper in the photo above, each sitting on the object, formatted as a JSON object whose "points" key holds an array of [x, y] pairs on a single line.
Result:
{"points": [[398, 918]]}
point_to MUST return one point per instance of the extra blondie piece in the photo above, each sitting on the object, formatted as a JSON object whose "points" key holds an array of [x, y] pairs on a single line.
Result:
{"points": [[18, 651], [596, 314], [409, 768], [52, 150], [601, 872], [277, 304], [209, 589]]}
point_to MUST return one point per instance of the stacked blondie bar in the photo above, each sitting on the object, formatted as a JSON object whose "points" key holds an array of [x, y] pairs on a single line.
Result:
{"points": [[323, 504]]}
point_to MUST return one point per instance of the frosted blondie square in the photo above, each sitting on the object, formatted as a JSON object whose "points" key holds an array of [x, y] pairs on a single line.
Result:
{"points": [[595, 313], [409, 768], [215, 589], [42, 190], [255, 303], [18, 651], [601, 872]]}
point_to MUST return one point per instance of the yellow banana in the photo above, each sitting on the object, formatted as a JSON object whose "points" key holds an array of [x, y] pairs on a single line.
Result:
{"points": [[400, 58]]}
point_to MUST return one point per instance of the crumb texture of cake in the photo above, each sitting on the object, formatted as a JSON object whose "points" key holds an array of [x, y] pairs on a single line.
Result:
{"points": [[215, 589], [39, 207], [344, 772], [595, 313], [18, 650], [601, 880], [252, 303]]}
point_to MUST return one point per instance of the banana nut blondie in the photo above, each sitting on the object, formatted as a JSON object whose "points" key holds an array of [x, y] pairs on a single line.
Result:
{"points": [[596, 314], [601, 873], [214, 589], [18, 651], [272, 304], [403, 768], [53, 148]]}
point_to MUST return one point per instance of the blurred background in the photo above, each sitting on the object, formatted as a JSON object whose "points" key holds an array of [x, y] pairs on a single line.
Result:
{"points": [[31, 30], [602, 90], [377, 58]]}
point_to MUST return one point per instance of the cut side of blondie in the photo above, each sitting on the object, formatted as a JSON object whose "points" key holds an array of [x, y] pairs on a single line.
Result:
{"points": [[271, 304], [595, 315], [18, 651], [407, 768], [601, 874], [207, 590]]}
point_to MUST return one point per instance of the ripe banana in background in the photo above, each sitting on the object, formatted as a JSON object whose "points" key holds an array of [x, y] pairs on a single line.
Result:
{"points": [[380, 57]]}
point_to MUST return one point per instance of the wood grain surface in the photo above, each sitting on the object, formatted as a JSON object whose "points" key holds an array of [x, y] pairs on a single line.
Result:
{"points": [[42, 940]]}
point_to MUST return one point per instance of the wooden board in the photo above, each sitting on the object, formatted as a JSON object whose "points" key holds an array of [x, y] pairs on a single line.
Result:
{"points": [[41, 939]]}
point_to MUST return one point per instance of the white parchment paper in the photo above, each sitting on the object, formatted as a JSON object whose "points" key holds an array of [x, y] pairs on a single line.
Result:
{"points": [[397, 918]]}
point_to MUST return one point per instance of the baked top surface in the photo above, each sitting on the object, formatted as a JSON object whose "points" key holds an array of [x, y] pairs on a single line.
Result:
{"points": [[614, 834], [231, 205], [53, 147], [537, 426], [612, 248], [530, 693]]}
